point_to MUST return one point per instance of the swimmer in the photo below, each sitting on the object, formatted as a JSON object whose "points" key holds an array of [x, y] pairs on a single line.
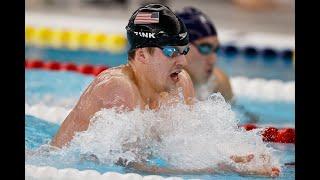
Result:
{"points": [[202, 58], [207, 78], [153, 76]]}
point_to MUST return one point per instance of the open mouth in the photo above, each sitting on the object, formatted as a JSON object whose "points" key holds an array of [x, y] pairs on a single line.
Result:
{"points": [[175, 76], [209, 72]]}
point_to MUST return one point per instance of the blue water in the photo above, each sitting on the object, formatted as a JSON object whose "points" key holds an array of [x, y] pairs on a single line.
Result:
{"points": [[279, 113], [40, 83], [62, 85]]}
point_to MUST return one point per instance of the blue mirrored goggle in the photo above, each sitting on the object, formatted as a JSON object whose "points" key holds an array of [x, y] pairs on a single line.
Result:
{"points": [[173, 51], [206, 48]]}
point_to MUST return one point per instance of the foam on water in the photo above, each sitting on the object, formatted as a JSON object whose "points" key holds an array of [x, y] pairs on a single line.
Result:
{"points": [[262, 89], [194, 137], [55, 114]]}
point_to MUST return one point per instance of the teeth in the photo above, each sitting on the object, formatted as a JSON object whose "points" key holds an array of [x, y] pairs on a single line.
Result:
{"points": [[178, 71]]}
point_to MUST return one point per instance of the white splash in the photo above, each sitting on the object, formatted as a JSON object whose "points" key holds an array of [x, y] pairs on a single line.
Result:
{"points": [[200, 136], [54, 114]]}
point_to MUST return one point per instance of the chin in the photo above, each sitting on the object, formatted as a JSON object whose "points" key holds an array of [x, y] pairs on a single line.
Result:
{"points": [[170, 85]]}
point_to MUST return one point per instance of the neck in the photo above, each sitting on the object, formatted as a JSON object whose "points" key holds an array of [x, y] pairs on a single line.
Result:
{"points": [[148, 93]]}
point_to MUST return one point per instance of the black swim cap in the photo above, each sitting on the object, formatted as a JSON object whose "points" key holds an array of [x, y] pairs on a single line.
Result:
{"points": [[156, 25], [197, 23]]}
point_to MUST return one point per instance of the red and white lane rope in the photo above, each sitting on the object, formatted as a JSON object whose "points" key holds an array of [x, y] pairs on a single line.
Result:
{"points": [[272, 134], [60, 66]]}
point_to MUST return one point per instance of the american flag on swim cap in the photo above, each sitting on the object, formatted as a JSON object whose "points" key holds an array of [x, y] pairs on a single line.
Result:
{"points": [[147, 18]]}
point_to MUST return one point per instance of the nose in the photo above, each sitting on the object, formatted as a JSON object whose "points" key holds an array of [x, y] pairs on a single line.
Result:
{"points": [[212, 59], [181, 60]]}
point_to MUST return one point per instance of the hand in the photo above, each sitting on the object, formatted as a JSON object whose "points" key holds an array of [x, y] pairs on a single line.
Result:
{"points": [[236, 159], [275, 172], [242, 159], [265, 170]]}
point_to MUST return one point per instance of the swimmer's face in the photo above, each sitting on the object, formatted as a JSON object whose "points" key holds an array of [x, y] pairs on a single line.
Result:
{"points": [[200, 66], [164, 72]]}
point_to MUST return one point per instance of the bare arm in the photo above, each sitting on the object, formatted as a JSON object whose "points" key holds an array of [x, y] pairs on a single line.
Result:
{"points": [[224, 85], [265, 170], [115, 92], [140, 166], [222, 167], [161, 170]]}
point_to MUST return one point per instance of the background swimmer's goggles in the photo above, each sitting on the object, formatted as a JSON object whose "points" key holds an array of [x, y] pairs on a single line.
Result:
{"points": [[206, 48], [173, 51]]}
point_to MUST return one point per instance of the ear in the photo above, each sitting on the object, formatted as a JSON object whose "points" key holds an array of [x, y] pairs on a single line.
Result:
{"points": [[141, 55]]}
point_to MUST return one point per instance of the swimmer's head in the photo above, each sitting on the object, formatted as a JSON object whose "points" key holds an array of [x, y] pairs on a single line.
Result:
{"points": [[155, 25], [158, 42], [204, 43]]}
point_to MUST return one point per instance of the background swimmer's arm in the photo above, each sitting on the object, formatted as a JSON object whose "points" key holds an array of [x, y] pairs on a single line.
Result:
{"points": [[115, 92], [224, 85]]}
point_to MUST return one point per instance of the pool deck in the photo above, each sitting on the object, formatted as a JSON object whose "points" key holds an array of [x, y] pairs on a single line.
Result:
{"points": [[235, 25]]}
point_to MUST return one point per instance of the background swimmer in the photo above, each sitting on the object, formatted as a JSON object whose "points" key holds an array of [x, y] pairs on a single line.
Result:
{"points": [[204, 44], [202, 58]]}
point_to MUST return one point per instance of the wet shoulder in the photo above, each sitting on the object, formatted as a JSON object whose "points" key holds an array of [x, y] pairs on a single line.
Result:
{"points": [[223, 84], [117, 82], [117, 75]]}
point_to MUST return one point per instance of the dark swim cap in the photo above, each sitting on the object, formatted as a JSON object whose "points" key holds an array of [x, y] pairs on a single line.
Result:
{"points": [[156, 25], [197, 23]]}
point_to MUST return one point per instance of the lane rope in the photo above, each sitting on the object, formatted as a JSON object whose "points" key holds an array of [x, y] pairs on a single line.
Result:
{"points": [[273, 134], [42, 36], [86, 69]]}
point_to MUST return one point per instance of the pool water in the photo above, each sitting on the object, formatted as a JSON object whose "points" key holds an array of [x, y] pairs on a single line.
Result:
{"points": [[62, 89]]}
